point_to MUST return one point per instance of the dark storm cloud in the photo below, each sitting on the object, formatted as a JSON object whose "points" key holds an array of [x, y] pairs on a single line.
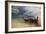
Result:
{"points": [[18, 11], [26, 11]]}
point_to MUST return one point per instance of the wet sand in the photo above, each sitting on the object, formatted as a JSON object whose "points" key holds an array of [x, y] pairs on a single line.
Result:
{"points": [[19, 23]]}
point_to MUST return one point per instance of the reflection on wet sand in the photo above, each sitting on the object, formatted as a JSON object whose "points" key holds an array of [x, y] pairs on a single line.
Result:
{"points": [[20, 22]]}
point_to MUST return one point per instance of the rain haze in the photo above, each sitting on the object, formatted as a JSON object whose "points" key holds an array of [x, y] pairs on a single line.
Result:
{"points": [[20, 13]]}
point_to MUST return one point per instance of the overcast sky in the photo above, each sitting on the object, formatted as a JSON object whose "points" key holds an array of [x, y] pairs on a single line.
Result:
{"points": [[26, 11]]}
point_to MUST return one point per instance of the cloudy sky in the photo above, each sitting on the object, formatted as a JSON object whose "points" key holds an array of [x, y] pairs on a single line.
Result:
{"points": [[25, 11]]}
